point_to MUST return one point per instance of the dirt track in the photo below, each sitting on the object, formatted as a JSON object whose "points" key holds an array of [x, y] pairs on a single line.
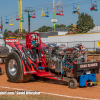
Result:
{"points": [[51, 87]]}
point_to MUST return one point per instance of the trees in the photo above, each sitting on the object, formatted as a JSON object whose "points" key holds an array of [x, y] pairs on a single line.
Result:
{"points": [[70, 27], [84, 23], [41, 29], [5, 35], [60, 26], [15, 33], [22, 34], [23, 31], [44, 28]]}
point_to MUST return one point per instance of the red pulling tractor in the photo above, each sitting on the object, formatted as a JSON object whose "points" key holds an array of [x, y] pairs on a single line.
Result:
{"points": [[21, 65]]}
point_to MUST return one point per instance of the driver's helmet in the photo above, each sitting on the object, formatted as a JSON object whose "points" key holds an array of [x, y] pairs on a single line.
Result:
{"points": [[32, 35], [78, 45]]}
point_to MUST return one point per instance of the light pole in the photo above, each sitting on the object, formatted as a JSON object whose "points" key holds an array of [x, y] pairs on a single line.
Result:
{"points": [[29, 9], [54, 20]]}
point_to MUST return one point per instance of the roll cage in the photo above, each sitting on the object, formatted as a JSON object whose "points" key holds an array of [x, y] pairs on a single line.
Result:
{"points": [[36, 37]]}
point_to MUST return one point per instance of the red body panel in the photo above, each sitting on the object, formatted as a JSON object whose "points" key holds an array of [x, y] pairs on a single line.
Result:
{"points": [[47, 75], [29, 65]]}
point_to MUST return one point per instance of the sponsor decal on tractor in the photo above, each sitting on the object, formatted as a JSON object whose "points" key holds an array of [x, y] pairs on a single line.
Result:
{"points": [[88, 65], [11, 40]]}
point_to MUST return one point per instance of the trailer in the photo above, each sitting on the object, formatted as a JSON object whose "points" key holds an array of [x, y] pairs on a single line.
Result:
{"points": [[4, 51]]}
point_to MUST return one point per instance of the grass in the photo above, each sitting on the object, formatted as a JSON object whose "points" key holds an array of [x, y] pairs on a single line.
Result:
{"points": [[32, 97]]}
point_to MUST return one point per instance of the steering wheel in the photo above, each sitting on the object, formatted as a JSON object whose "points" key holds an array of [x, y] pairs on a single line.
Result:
{"points": [[36, 44]]}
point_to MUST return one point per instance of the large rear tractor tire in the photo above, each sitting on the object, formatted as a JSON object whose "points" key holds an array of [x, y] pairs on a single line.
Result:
{"points": [[14, 69], [25, 78]]}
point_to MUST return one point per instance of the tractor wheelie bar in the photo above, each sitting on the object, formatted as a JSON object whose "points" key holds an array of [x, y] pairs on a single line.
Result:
{"points": [[21, 63]]}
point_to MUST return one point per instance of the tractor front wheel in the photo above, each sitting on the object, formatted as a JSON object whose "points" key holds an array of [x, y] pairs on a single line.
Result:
{"points": [[14, 69], [72, 83]]}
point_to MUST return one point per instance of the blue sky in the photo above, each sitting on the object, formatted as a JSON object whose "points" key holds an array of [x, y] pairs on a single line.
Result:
{"points": [[9, 8]]}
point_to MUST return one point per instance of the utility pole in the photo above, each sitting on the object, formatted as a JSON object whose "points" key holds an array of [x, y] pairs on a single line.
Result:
{"points": [[1, 26], [29, 9]]}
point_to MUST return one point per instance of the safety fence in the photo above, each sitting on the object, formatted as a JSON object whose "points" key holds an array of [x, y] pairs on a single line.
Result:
{"points": [[90, 45]]}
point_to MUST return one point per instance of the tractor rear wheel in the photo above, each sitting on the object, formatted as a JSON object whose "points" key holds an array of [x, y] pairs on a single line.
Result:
{"points": [[25, 78], [14, 69]]}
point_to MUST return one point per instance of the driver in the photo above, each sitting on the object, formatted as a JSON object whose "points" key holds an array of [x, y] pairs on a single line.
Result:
{"points": [[33, 46], [38, 45], [84, 51]]}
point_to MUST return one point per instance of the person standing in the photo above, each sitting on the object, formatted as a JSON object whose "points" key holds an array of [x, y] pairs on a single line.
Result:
{"points": [[84, 52]]}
